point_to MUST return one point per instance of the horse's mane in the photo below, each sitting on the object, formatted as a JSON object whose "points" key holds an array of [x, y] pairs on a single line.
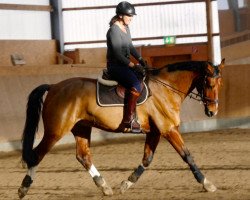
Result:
{"points": [[195, 66]]}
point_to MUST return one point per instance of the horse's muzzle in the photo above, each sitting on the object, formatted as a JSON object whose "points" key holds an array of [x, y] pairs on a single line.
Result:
{"points": [[209, 113]]}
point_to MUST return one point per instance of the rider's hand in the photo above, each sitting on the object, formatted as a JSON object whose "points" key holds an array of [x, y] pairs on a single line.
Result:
{"points": [[142, 62], [140, 69], [131, 64]]}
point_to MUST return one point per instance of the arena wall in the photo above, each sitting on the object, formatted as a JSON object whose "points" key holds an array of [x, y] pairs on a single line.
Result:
{"points": [[33, 52], [238, 53], [17, 82], [155, 55]]}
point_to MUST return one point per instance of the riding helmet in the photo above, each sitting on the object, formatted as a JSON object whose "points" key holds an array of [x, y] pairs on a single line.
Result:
{"points": [[125, 8]]}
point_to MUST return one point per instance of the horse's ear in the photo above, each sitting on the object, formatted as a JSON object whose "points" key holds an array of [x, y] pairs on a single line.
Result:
{"points": [[210, 68], [222, 64]]}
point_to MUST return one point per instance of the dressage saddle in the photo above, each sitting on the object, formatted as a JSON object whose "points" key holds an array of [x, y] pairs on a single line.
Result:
{"points": [[110, 93]]}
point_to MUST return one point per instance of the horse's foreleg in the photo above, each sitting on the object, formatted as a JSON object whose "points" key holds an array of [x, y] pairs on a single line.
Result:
{"points": [[152, 140], [82, 137], [177, 142]]}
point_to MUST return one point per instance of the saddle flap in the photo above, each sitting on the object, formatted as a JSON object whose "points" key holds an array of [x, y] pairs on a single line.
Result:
{"points": [[114, 95]]}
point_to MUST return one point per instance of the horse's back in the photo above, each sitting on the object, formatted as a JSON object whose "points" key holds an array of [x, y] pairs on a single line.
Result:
{"points": [[68, 98], [73, 87]]}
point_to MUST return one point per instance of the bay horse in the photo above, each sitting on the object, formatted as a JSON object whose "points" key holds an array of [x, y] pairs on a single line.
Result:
{"points": [[71, 106]]}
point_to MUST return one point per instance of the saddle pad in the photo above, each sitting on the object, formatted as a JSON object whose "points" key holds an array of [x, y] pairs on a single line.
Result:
{"points": [[107, 96]]}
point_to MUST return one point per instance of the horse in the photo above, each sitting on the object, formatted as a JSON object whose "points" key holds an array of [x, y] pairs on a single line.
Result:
{"points": [[70, 106]]}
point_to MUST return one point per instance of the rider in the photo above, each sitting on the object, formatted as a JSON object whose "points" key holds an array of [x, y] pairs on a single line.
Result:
{"points": [[119, 49]]}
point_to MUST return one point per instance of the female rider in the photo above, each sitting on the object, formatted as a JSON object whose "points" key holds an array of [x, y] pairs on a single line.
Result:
{"points": [[119, 49]]}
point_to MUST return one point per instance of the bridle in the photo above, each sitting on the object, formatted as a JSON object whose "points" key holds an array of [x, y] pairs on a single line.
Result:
{"points": [[207, 100], [193, 95]]}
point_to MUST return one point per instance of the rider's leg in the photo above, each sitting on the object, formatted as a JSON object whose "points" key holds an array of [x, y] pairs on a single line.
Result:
{"points": [[127, 78], [129, 118]]}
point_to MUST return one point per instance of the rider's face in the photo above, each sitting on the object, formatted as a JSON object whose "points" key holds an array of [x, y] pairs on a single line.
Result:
{"points": [[127, 19]]}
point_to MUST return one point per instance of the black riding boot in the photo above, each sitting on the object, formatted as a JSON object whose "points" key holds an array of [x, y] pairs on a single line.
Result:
{"points": [[129, 118]]}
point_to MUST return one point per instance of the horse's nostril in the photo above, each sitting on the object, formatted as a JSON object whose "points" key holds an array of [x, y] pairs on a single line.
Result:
{"points": [[209, 113]]}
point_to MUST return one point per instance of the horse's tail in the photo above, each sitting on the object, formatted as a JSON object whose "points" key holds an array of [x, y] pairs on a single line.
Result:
{"points": [[34, 107]]}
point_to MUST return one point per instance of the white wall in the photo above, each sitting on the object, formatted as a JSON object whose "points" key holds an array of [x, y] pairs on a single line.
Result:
{"points": [[150, 21], [26, 2], [85, 25], [21, 24]]}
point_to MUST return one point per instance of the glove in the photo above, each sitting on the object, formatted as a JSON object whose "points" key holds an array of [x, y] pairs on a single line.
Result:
{"points": [[140, 70], [142, 62]]}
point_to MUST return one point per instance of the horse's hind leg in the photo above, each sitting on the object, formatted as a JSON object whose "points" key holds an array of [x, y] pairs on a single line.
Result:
{"points": [[177, 142], [82, 136], [40, 151], [152, 140]]}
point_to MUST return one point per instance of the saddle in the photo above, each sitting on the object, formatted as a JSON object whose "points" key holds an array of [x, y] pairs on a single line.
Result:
{"points": [[110, 93]]}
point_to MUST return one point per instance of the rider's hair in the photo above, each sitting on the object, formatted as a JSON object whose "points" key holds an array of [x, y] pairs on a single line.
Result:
{"points": [[113, 20]]}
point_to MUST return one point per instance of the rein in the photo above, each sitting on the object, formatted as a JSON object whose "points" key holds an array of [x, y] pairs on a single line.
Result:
{"points": [[197, 97]]}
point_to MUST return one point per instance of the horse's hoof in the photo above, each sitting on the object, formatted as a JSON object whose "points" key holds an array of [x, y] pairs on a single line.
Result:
{"points": [[125, 185], [209, 186], [107, 191], [101, 183], [22, 191]]}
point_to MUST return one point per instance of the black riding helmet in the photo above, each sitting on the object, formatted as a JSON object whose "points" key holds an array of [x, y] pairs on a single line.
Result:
{"points": [[125, 8]]}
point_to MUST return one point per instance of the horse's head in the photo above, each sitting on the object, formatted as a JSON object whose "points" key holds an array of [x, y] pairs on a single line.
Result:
{"points": [[209, 88]]}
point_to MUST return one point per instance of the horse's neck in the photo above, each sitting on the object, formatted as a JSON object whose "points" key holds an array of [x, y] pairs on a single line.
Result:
{"points": [[187, 81]]}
